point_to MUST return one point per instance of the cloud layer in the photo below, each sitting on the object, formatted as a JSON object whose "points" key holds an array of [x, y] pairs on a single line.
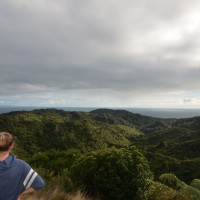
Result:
{"points": [[88, 52]]}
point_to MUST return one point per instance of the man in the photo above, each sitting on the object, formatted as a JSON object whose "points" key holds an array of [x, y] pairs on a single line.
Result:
{"points": [[17, 178]]}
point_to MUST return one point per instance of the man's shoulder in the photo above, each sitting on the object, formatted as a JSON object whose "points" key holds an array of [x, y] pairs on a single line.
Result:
{"points": [[21, 163]]}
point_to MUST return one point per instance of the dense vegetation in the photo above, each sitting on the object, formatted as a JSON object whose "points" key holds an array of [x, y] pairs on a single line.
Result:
{"points": [[98, 152], [113, 174]]}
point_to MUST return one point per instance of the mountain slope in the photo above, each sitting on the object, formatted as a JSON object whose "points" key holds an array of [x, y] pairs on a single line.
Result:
{"points": [[146, 124], [40, 130]]}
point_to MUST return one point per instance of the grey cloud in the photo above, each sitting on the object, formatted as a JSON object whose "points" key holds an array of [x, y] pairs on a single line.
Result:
{"points": [[82, 45], [111, 75]]}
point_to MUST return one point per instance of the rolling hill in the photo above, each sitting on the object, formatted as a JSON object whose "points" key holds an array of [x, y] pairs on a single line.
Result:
{"points": [[170, 145]]}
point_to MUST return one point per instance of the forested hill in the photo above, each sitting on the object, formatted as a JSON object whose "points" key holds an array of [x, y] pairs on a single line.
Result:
{"points": [[40, 130], [146, 124], [170, 145]]}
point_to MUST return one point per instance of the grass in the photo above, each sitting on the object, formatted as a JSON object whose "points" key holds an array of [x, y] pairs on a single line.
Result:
{"points": [[56, 194]]}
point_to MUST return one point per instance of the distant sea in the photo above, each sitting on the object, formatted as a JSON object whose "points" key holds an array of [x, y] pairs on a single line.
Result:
{"points": [[154, 112]]}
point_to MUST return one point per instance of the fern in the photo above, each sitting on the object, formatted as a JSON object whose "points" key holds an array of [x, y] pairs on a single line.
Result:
{"points": [[196, 184], [172, 181], [190, 191]]}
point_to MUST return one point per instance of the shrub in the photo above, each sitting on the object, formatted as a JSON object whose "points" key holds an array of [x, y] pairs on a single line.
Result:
{"points": [[190, 191], [159, 191], [172, 181], [113, 174], [196, 184]]}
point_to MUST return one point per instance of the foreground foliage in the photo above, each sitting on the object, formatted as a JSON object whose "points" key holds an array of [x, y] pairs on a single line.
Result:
{"points": [[56, 194], [159, 191], [113, 174], [188, 191]]}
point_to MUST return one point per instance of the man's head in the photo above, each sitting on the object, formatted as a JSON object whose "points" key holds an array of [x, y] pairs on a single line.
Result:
{"points": [[6, 141]]}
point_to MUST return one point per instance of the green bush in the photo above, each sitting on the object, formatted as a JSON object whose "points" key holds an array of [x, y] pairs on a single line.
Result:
{"points": [[190, 191], [196, 184], [171, 181], [159, 191], [113, 174], [54, 160]]}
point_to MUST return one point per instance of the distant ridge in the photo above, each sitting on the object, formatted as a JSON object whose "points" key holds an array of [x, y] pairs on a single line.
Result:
{"points": [[122, 112], [146, 124], [163, 113], [112, 111]]}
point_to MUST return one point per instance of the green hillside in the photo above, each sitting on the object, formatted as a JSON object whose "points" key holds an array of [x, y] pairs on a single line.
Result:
{"points": [[170, 145], [55, 141], [41, 130], [146, 124], [174, 150]]}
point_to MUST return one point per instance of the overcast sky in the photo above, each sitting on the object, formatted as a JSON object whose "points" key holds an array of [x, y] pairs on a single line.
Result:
{"points": [[104, 53]]}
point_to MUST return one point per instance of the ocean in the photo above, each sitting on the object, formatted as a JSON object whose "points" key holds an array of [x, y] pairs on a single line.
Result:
{"points": [[153, 112]]}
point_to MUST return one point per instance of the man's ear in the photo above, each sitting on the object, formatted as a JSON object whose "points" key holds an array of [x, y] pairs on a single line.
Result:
{"points": [[11, 147]]}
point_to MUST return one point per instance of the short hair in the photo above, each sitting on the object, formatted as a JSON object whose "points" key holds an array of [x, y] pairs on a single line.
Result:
{"points": [[6, 140]]}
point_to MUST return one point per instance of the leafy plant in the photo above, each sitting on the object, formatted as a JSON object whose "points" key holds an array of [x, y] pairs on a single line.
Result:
{"points": [[196, 184], [159, 191], [113, 174]]}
